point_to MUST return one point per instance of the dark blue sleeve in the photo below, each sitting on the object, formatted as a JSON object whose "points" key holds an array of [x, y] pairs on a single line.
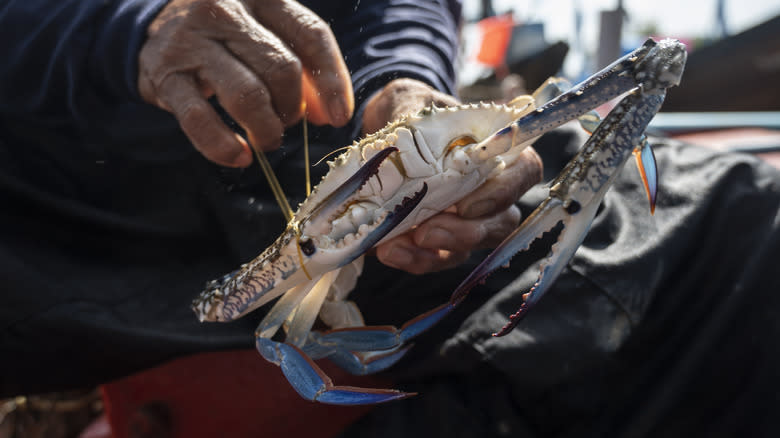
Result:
{"points": [[62, 57], [382, 40]]}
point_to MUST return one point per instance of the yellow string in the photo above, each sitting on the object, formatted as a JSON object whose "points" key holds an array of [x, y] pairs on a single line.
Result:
{"points": [[300, 256], [276, 188], [306, 152]]}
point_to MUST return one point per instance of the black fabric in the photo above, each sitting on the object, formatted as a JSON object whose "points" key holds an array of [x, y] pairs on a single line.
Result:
{"points": [[111, 222], [663, 325]]}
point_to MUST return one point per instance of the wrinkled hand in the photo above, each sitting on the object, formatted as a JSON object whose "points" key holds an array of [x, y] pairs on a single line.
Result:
{"points": [[261, 58], [480, 220]]}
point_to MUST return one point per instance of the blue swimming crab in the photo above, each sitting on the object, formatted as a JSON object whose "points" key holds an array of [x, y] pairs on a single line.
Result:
{"points": [[415, 167]]}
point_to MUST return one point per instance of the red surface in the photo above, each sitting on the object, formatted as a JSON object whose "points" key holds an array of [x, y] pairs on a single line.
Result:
{"points": [[232, 394], [496, 33]]}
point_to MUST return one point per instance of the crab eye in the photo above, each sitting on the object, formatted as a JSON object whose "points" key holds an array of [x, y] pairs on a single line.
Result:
{"points": [[307, 246]]}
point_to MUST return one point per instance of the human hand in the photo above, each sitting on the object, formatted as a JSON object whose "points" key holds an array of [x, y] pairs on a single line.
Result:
{"points": [[261, 58], [480, 220]]}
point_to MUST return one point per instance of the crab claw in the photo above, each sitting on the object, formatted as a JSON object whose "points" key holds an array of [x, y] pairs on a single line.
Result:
{"points": [[365, 350], [313, 384], [576, 220], [352, 185], [648, 171], [393, 219], [577, 192]]}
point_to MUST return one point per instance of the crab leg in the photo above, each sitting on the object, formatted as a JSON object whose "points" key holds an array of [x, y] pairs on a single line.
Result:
{"points": [[645, 162], [382, 347], [357, 363], [576, 194], [313, 384]]}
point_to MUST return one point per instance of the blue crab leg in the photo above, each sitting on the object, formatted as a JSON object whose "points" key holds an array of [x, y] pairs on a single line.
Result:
{"points": [[313, 384], [356, 363], [648, 171], [366, 350], [374, 338], [381, 347]]}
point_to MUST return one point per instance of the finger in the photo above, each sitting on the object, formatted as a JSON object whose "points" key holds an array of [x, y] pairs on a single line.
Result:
{"points": [[200, 122], [245, 97], [272, 62], [503, 190], [401, 253], [454, 233], [312, 41], [399, 97]]}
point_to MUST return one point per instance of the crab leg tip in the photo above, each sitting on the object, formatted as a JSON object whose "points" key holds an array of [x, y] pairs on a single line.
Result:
{"points": [[347, 396], [648, 171], [311, 383]]}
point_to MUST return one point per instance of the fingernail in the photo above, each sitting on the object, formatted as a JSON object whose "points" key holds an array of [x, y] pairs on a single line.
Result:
{"points": [[480, 208], [399, 257], [339, 114], [437, 238], [243, 160]]}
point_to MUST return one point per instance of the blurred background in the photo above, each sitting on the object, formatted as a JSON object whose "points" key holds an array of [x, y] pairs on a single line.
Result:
{"points": [[729, 98], [575, 38]]}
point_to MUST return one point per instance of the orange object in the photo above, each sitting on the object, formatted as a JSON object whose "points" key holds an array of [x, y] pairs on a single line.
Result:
{"points": [[496, 34], [231, 394], [315, 104]]}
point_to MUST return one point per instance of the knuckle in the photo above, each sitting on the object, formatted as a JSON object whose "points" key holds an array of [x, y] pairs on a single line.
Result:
{"points": [[193, 113], [213, 10], [313, 27], [315, 35], [249, 94], [285, 71]]}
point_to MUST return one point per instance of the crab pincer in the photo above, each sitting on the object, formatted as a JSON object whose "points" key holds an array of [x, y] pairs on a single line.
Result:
{"points": [[577, 192]]}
